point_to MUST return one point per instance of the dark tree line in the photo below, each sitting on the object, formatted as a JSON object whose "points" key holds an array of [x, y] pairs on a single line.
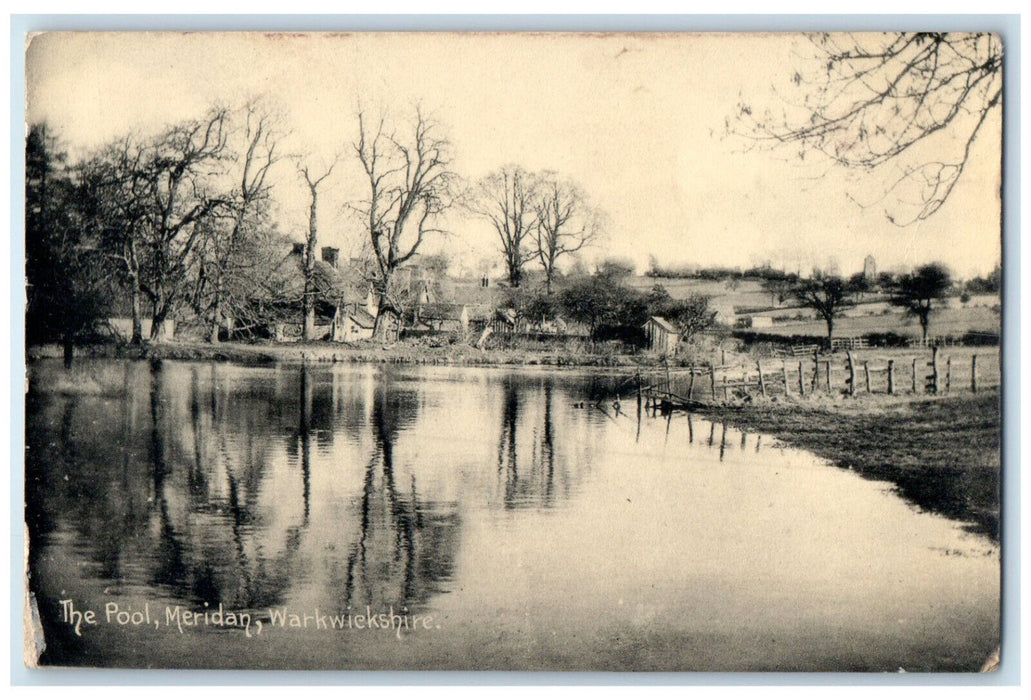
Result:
{"points": [[610, 309], [68, 273]]}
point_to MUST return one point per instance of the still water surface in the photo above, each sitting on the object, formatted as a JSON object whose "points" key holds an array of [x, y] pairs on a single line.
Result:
{"points": [[503, 519]]}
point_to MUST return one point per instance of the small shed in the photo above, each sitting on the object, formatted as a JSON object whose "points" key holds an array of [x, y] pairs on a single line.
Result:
{"points": [[662, 335]]}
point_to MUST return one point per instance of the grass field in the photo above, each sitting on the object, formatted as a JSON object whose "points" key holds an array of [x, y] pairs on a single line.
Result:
{"points": [[947, 322], [951, 320]]}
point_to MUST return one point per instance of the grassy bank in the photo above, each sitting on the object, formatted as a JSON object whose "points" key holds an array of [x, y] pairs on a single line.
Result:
{"points": [[943, 453], [405, 352]]}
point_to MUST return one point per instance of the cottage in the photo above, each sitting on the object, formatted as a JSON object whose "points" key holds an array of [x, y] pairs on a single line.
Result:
{"points": [[446, 318], [353, 322], [662, 336]]}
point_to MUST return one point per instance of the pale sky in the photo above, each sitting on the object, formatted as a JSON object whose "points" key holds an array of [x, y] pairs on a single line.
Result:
{"points": [[636, 119]]}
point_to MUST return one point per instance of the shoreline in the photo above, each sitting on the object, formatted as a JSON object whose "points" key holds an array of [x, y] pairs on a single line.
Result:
{"points": [[942, 453], [371, 353]]}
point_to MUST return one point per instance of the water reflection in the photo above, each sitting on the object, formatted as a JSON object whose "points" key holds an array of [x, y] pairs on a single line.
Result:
{"points": [[530, 496], [253, 488]]}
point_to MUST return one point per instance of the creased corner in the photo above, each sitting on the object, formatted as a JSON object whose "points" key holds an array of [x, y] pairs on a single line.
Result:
{"points": [[992, 664], [33, 643]]}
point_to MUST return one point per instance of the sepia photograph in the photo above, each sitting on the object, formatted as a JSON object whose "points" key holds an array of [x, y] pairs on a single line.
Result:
{"points": [[517, 351]]}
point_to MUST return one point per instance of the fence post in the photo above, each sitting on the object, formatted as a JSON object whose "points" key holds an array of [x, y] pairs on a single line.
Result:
{"points": [[690, 387], [934, 369], [914, 375], [866, 371], [948, 374], [891, 376], [816, 370], [726, 395], [973, 374], [712, 377], [828, 376], [784, 369], [851, 374], [801, 380], [762, 384]]}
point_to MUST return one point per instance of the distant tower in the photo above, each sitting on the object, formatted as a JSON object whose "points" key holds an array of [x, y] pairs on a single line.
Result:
{"points": [[869, 268]]}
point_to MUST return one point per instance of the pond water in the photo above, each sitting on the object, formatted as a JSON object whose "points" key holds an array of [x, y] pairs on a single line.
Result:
{"points": [[448, 518]]}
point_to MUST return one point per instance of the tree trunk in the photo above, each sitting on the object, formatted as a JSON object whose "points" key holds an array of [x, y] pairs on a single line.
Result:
{"points": [[69, 349], [137, 314], [157, 322], [308, 331], [384, 319]]}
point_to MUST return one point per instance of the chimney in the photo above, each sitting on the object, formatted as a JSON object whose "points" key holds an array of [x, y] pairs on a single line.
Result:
{"points": [[298, 249], [329, 256]]}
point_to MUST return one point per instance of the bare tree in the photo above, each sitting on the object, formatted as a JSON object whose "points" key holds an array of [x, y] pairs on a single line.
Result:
{"points": [[120, 181], [410, 184], [230, 255], [313, 181], [566, 223], [913, 101], [508, 199], [182, 168]]}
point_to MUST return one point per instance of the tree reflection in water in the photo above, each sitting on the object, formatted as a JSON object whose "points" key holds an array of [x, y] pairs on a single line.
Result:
{"points": [[209, 483], [405, 547]]}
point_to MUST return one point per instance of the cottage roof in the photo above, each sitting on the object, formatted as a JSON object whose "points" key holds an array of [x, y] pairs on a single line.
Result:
{"points": [[441, 312], [362, 318], [662, 323]]}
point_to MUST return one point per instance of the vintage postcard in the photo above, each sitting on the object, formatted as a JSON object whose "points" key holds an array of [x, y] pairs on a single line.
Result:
{"points": [[518, 351]]}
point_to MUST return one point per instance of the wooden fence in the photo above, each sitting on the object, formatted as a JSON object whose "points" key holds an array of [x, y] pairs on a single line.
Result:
{"points": [[932, 373]]}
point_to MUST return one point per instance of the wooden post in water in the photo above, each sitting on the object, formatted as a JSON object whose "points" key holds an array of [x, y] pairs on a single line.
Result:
{"points": [[762, 384], [914, 375], [891, 376], [866, 371], [851, 374], [973, 374], [712, 379], [690, 386], [801, 380]]}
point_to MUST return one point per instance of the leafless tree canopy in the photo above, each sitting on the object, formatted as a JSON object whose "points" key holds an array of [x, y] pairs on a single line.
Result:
{"points": [[410, 185], [913, 101], [231, 256], [566, 222], [508, 198]]}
